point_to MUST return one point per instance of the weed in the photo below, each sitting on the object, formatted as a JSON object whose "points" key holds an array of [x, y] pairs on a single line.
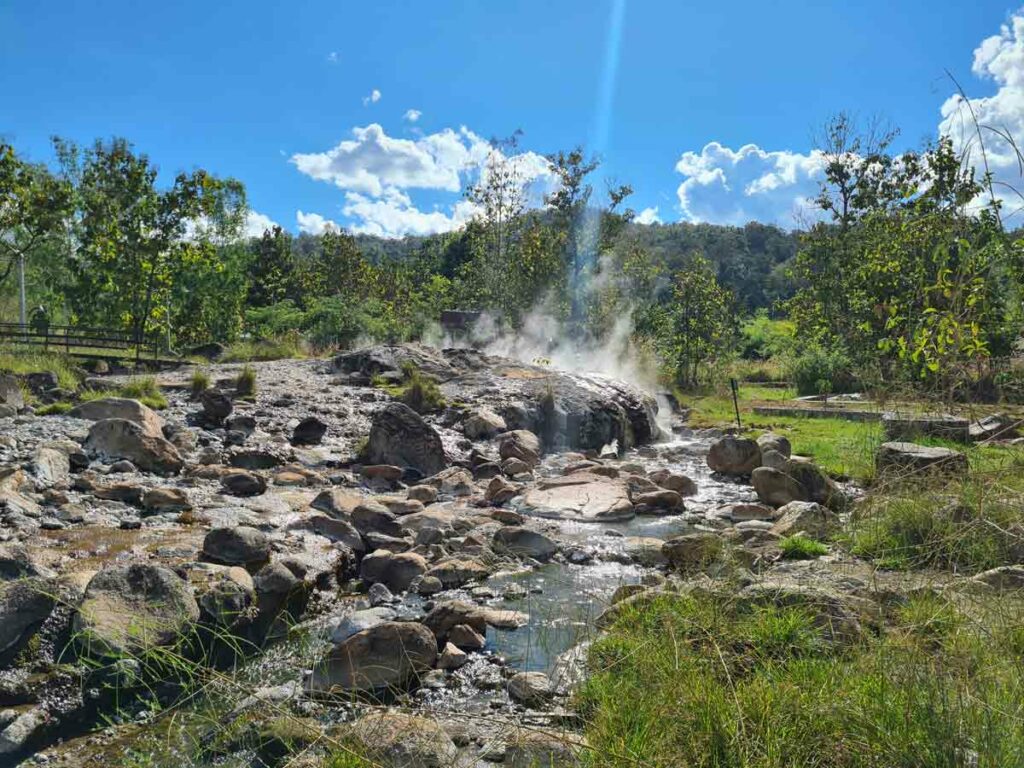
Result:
{"points": [[245, 384]]}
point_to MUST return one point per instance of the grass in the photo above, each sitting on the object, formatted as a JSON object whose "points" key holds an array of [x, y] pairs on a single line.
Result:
{"points": [[200, 382], [22, 363], [800, 547], [286, 347], [143, 388], [707, 683], [245, 384], [417, 390], [54, 409]]}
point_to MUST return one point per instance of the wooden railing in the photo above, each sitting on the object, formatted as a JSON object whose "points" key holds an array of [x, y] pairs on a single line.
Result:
{"points": [[77, 340]]}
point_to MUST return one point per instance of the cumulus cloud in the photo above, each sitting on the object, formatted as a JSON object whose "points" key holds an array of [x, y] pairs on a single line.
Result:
{"points": [[648, 216], [412, 115], [313, 223], [726, 186], [373, 98], [377, 171], [256, 223], [332, 57], [1000, 59]]}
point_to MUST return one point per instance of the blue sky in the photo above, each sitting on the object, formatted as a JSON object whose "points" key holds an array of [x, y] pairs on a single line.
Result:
{"points": [[281, 95]]}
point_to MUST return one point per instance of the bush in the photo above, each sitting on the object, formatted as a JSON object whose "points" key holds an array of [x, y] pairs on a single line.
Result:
{"points": [[245, 384], [761, 337], [420, 392], [287, 346], [820, 371]]}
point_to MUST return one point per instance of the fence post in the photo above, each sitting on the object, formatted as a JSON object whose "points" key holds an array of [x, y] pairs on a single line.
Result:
{"points": [[735, 401]]}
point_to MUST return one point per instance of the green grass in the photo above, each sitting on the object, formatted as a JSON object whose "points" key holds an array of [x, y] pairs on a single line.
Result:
{"points": [[799, 547], [143, 388], [54, 409], [704, 683], [245, 384], [22, 363], [417, 390], [200, 382], [285, 347]]}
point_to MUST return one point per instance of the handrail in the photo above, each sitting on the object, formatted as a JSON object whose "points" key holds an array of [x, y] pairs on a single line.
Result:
{"points": [[77, 338]]}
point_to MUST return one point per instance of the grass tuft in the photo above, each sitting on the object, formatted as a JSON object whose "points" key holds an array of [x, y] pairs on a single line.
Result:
{"points": [[800, 547], [245, 384]]}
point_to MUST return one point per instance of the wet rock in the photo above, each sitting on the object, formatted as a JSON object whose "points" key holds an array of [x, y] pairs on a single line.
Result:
{"points": [[451, 613], [456, 572], [662, 500], [396, 572], [399, 435], [239, 482], [24, 605], [240, 545], [452, 658], [524, 543], [520, 444], [810, 518], [396, 740], [386, 656], [898, 459], [217, 406], [681, 484], [163, 500], [732, 455], [581, 496], [530, 688], [483, 424], [467, 638], [645, 550], [358, 621], [120, 408], [309, 431], [694, 551], [131, 609], [114, 439], [500, 490]]}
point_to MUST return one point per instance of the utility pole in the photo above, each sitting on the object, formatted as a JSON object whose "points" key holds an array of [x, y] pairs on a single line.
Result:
{"points": [[21, 288]]}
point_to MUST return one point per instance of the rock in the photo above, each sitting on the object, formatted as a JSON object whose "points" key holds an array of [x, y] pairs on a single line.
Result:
{"points": [[239, 482], [818, 486], [254, 458], [905, 460], [241, 423], [1006, 578], [694, 551], [531, 747], [645, 550], [524, 543], [19, 734], [777, 488], [397, 740], [399, 435], [774, 460], [162, 500], [946, 427], [217, 406], [17, 562], [113, 439], [241, 545], [739, 513], [455, 572], [530, 688], [734, 456], [452, 658], [451, 613], [499, 490], [358, 621], [309, 431], [225, 594], [123, 467], [425, 494], [51, 465], [681, 484], [454, 481], [335, 529], [815, 520], [388, 473], [10, 391], [211, 350], [520, 444], [396, 572], [370, 516], [831, 612], [386, 656], [770, 441], [580, 496], [120, 408], [514, 467], [995, 427], [25, 604], [131, 609], [662, 499], [483, 424], [465, 637], [337, 502]]}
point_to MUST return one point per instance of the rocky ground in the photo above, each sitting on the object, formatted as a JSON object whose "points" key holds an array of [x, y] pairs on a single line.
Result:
{"points": [[420, 586]]}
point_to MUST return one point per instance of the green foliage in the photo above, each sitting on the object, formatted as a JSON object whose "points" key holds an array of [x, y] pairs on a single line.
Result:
{"points": [[800, 547], [417, 390], [705, 682], [762, 337], [245, 384], [26, 361], [54, 409], [146, 390], [200, 382], [820, 371], [287, 346]]}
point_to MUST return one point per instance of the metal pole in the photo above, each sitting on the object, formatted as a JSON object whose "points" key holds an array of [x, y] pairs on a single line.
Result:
{"points": [[735, 402], [21, 288]]}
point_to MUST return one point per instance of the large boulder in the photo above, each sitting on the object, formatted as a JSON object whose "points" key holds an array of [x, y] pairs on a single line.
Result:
{"points": [[520, 444], [580, 496], [51, 465], [240, 545], [483, 424], [309, 431], [120, 408], [806, 517], [524, 543], [397, 740], [776, 488], [901, 427], [113, 439], [693, 551], [132, 609], [384, 657], [24, 605], [906, 460], [396, 572], [399, 435], [733, 455]]}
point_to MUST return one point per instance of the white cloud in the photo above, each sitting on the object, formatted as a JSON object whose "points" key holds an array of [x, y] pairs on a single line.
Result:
{"points": [[332, 57], [313, 223], [256, 223], [999, 58], [412, 115], [394, 215], [648, 216], [725, 186], [373, 98]]}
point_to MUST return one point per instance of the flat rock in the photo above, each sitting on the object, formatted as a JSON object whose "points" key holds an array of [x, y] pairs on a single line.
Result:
{"points": [[580, 496]]}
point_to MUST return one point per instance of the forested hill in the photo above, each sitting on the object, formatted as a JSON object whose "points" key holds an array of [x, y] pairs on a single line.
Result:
{"points": [[750, 260]]}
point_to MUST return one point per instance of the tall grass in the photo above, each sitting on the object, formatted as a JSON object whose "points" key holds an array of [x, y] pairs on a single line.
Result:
{"points": [[29, 361]]}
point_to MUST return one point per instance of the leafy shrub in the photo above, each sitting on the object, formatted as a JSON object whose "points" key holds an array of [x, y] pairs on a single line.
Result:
{"points": [[799, 547], [819, 371], [245, 384], [761, 337]]}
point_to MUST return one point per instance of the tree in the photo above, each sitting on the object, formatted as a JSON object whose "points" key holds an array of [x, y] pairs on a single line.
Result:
{"points": [[35, 207], [134, 240], [273, 270]]}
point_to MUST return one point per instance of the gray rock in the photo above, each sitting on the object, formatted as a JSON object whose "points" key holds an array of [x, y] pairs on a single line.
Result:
{"points": [[734, 456], [240, 545], [358, 621], [520, 444], [240, 482], [309, 431], [483, 424], [907, 460], [524, 543], [397, 740], [217, 406], [399, 435], [386, 656], [807, 517], [898, 427], [580, 496], [51, 465], [114, 439], [120, 408], [530, 688]]}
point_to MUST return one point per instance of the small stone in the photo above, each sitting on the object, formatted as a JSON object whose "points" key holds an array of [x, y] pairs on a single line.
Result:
{"points": [[452, 658]]}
